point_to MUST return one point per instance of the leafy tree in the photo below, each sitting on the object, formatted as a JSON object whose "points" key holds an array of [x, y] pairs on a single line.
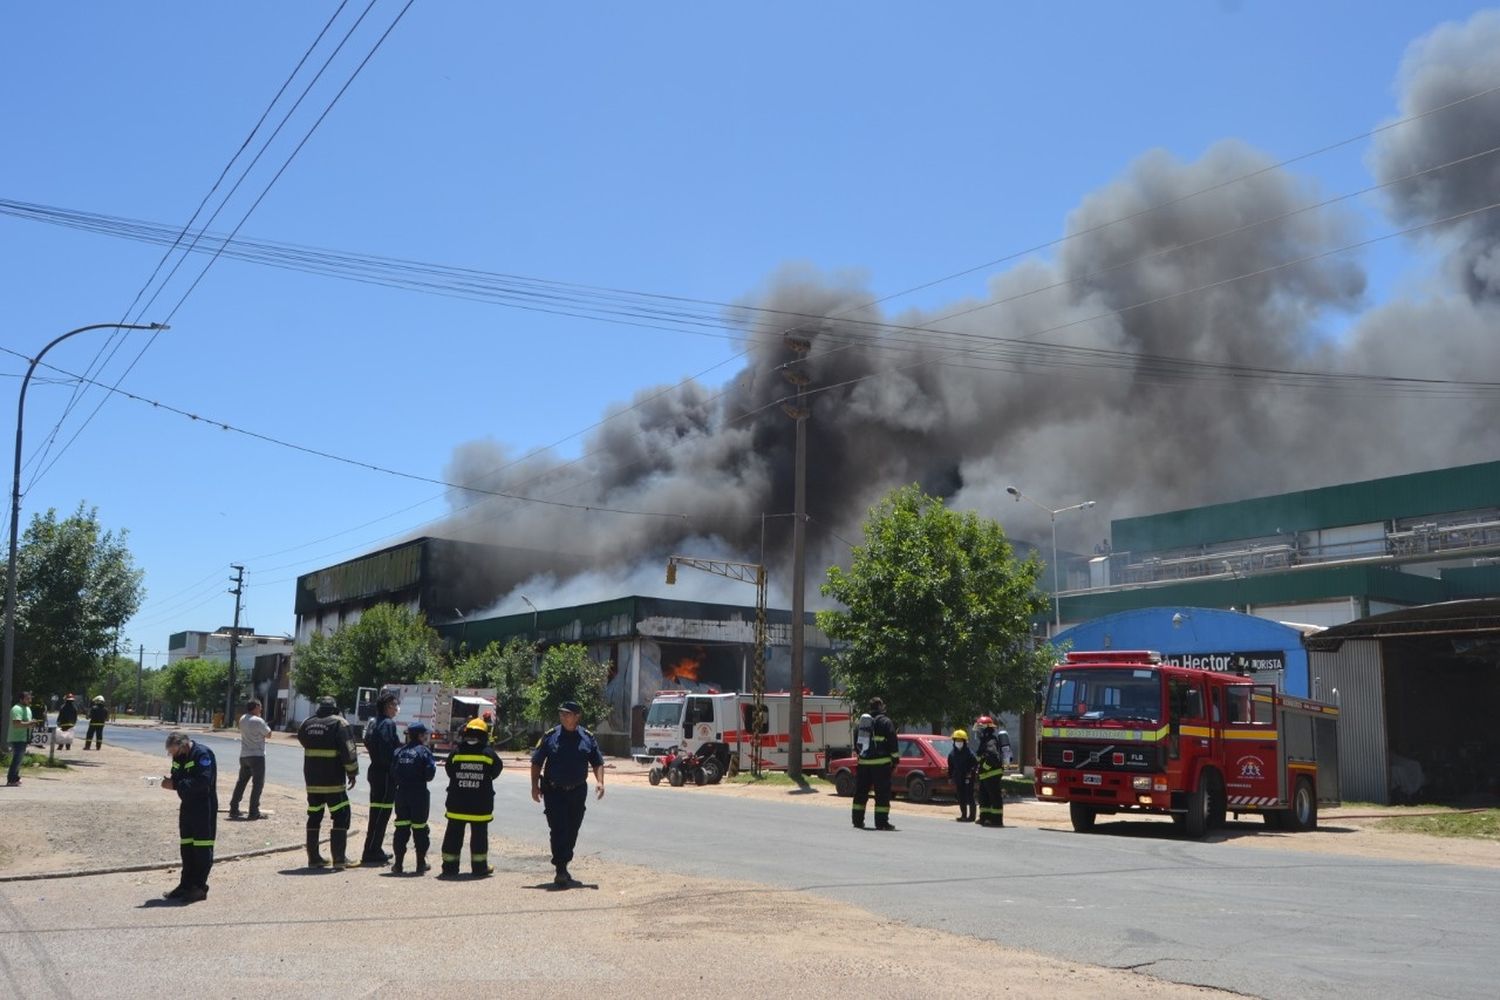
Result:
{"points": [[116, 680], [507, 669], [939, 614], [75, 585], [567, 674], [390, 644], [174, 685]]}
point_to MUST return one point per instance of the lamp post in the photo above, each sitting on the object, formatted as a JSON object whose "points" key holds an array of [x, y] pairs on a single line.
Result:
{"points": [[536, 637], [1056, 601], [15, 499]]}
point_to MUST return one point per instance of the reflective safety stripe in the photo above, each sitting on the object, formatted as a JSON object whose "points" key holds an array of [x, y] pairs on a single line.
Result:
{"points": [[471, 817], [402, 822], [997, 810], [993, 772], [1133, 735], [472, 758], [315, 809], [185, 841], [321, 753], [882, 809], [382, 805], [1250, 734], [324, 789], [873, 761], [1202, 731], [342, 805], [187, 764], [450, 857], [479, 857], [190, 842], [419, 826]]}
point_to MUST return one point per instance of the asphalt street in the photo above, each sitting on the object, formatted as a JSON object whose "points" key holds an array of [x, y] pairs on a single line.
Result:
{"points": [[1264, 923]]}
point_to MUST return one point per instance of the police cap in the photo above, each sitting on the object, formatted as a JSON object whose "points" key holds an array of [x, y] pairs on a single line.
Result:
{"points": [[571, 706]]}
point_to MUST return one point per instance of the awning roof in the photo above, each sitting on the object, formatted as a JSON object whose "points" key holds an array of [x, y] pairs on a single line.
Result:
{"points": [[1447, 618]]}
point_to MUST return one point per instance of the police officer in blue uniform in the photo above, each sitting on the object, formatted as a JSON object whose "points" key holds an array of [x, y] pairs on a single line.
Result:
{"points": [[381, 743], [195, 779], [560, 767], [413, 767]]}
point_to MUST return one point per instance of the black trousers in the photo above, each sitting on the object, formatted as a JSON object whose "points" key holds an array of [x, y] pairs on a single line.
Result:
{"points": [[338, 812], [95, 733], [564, 811], [196, 826], [875, 778], [252, 772], [991, 801], [382, 803], [453, 843], [412, 807]]}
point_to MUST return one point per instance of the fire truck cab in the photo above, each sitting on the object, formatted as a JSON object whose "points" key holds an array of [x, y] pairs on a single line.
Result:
{"points": [[1123, 732]]}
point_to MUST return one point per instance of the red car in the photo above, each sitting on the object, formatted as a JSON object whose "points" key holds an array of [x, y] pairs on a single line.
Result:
{"points": [[921, 773]]}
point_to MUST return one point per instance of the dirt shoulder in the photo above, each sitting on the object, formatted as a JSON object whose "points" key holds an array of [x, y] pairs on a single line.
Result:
{"points": [[626, 931]]}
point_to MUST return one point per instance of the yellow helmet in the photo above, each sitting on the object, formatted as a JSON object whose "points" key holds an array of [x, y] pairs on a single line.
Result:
{"points": [[959, 734], [478, 724]]}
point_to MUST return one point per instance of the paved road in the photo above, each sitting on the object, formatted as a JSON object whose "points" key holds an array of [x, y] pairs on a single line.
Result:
{"points": [[1272, 924]]}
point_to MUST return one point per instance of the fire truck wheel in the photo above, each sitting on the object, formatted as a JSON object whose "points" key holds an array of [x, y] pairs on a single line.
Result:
{"points": [[1304, 812], [654, 776], [1195, 823], [1082, 816], [843, 784], [1218, 802], [674, 777], [918, 788]]}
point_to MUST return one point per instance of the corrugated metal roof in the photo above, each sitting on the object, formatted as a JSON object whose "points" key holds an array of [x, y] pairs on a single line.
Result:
{"points": [[1468, 487], [1449, 617]]}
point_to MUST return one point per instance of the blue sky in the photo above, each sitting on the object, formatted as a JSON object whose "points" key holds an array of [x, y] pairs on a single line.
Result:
{"points": [[678, 148]]}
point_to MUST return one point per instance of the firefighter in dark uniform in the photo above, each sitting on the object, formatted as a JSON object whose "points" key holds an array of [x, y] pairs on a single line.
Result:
{"points": [[67, 716], [560, 767], [877, 759], [98, 716], [472, 769], [195, 779], [381, 742], [961, 765], [412, 768], [991, 774], [330, 766]]}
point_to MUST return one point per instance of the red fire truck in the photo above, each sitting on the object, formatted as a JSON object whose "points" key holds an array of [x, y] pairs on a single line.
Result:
{"points": [[1122, 731]]}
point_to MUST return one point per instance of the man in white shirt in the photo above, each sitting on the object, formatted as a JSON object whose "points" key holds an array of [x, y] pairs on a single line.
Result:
{"points": [[253, 733]]}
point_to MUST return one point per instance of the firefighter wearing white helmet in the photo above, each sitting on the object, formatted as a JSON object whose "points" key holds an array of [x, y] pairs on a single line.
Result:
{"points": [[98, 716], [472, 769], [991, 773], [961, 765], [878, 755]]}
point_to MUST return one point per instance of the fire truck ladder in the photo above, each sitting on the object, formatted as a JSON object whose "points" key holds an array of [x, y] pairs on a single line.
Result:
{"points": [[745, 573]]}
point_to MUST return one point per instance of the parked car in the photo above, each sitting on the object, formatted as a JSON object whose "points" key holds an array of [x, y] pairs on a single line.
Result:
{"points": [[921, 773]]}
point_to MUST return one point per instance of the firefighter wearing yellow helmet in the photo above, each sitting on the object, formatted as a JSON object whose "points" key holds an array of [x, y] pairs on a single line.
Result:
{"points": [[961, 766], [472, 769]]}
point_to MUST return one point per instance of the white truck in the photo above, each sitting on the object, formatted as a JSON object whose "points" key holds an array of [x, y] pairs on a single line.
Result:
{"points": [[686, 720], [442, 708]]}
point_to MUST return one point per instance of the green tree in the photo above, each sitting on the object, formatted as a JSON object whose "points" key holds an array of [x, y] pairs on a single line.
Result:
{"points": [[174, 686], [567, 674], [507, 669], [939, 612], [76, 584], [390, 644], [116, 680]]}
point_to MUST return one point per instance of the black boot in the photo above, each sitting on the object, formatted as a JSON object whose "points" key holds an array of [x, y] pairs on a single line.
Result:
{"points": [[338, 841], [398, 866], [422, 865], [314, 859]]}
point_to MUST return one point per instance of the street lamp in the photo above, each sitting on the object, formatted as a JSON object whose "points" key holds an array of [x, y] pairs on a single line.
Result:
{"points": [[536, 637], [1056, 601], [15, 499]]}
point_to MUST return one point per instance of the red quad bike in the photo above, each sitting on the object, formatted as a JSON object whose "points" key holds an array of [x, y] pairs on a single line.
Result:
{"points": [[705, 767]]}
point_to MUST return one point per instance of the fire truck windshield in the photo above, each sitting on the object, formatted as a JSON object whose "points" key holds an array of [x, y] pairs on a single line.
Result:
{"points": [[665, 713], [1127, 695]]}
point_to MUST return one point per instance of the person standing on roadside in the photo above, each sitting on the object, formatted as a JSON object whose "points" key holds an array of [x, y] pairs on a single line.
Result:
{"points": [[877, 759], [961, 765], [991, 778], [381, 743], [20, 732], [98, 716], [413, 767], [330, 765], [195, 779], [560, 767], [472, 769], [67, 715], [253, 733]]}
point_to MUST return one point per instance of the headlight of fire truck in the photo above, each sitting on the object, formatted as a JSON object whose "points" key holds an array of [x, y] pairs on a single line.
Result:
{"points": [[1143, 783], [1049, 777]]}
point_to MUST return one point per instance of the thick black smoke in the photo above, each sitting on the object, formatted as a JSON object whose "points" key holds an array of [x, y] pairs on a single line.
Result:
{"points": [[958, 404]]}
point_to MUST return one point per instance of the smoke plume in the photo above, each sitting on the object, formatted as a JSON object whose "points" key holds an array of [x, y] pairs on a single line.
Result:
{"points": [[1055, 381]]}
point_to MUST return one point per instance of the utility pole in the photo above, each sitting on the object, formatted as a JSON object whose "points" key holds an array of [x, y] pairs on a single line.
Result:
{"points": [[234, 639], [798, 412], [140, 665]]}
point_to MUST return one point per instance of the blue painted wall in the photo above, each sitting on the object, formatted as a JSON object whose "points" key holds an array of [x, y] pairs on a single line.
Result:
{"points": [[1198, 630]]}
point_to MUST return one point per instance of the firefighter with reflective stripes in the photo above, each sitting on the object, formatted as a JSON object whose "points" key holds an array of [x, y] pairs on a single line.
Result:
{"points": [[472, 769], [991, 773], [381, 742], [98, 716], [330, 766], [195, 779], [878, 754], [412, 768]]}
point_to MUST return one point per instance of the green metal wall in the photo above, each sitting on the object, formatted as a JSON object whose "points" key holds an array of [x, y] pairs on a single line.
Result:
{"points": [[1467, 487]]}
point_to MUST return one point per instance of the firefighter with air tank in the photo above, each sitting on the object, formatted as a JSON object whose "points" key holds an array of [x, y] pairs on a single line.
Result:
{"points": [[991, 777]]}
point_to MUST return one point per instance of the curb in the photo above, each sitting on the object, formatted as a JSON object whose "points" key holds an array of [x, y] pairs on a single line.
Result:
{"points": [[155, 866], [1404, 815]]}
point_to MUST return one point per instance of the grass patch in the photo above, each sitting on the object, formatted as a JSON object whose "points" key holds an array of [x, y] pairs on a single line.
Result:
{"points": [[1483, 825], [32, 760], [769, 778]]}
